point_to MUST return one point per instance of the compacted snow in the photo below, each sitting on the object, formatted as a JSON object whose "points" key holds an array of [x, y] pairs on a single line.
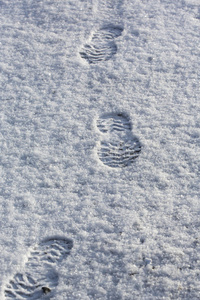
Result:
{"points": [[100, 149]]}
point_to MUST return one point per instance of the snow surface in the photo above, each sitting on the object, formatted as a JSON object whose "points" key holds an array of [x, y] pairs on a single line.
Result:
{"points": [[134, 229]]}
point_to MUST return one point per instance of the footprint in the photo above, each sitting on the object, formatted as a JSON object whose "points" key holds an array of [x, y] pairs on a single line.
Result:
{"points": [[118, 147], [101, 46], [39, 277]]}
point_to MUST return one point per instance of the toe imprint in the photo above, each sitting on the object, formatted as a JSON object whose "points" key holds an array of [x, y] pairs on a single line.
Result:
{"points": [[39, 277]]}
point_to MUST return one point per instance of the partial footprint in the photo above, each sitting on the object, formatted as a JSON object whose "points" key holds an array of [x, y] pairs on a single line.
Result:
{"points": [[102, 46], [39, 277], [118, 147]]}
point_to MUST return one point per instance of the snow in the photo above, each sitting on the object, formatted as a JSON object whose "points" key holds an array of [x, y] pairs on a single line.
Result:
{"points": [[134, 229]]}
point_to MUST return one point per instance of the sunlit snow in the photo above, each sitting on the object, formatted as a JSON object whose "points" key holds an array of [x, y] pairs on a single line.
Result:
{"points": [[100, 149]]}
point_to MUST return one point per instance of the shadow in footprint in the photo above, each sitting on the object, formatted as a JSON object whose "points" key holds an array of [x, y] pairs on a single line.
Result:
{"points": [[39, 278], [118, 147], [101, 46]]}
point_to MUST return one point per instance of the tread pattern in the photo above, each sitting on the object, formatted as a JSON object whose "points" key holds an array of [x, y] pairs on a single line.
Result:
{"points": [[119, 148], [39, 277], [110, 123], [102, 46]]}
